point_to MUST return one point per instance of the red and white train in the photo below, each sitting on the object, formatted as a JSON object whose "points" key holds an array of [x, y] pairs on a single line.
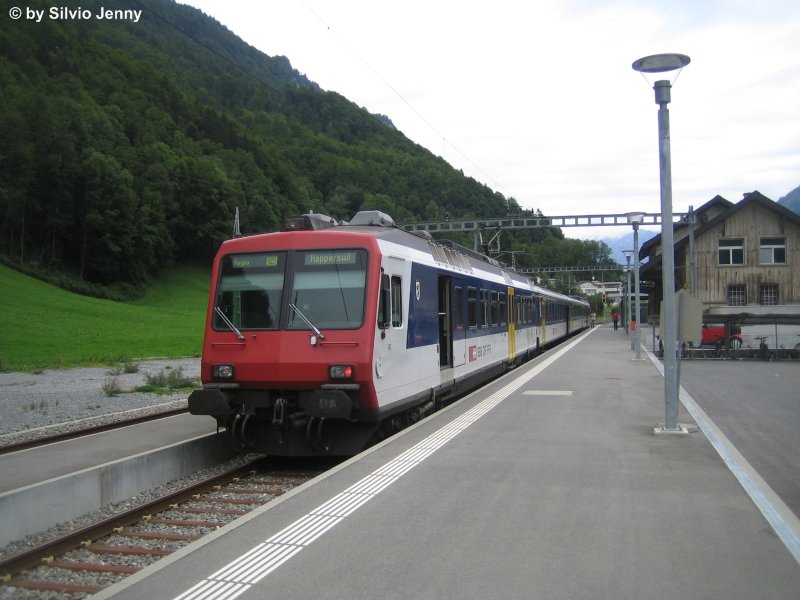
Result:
{"points": [[324, 337]]}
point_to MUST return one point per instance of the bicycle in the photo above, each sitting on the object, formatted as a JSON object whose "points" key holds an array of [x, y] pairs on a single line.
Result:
{"points": [[763, 349]]}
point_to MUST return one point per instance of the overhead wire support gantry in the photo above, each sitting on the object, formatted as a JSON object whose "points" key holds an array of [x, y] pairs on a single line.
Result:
{"points": [[520, 222], [572, 269]]}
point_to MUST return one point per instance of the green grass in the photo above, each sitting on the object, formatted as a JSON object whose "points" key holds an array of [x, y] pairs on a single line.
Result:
{"points": [[44, 326]]}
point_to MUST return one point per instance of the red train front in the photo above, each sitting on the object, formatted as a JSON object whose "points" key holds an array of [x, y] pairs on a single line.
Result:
{"points": [[290, 328]]}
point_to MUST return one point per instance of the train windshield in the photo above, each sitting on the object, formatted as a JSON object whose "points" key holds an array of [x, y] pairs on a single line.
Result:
{"points": [[250, 290], [328, 288]]}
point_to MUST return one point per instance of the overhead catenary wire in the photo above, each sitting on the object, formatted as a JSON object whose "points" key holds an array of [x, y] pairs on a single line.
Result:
{"points": [[445, 140], [396, 92]]}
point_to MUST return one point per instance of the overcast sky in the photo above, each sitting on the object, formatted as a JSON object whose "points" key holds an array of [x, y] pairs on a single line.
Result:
{"points": [[538, 100]]}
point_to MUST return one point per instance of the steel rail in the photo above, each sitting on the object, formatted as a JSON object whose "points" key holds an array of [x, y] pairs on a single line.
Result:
{"points": [[28, 559]]}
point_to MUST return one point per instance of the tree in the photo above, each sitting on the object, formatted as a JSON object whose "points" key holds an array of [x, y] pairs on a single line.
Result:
{"points": [[107, 228]]}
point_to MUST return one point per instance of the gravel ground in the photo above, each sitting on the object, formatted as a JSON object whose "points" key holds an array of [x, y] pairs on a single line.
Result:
{"points": [[38, 404]]}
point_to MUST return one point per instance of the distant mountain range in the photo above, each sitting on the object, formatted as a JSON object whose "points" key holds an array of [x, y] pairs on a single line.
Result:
{"points": [[625, 242], [791, 200]]}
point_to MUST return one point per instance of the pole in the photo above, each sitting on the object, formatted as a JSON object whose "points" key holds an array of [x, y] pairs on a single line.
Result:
{"points": [[627, 311], [692, 254], [638, 331], [662, 92]]}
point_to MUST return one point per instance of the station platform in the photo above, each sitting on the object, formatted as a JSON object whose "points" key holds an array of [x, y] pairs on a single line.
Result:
{"points": [[547, 483], [34, 465]]}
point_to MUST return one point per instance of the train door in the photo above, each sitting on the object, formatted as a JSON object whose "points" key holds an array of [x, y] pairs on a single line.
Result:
{"points": [[445, 323], [390, 341], [459, 320], [544, 316], [512, 328]]}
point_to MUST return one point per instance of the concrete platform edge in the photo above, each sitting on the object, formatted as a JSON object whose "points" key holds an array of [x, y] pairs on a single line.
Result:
{"points": [[40, 506], [780, 517]]}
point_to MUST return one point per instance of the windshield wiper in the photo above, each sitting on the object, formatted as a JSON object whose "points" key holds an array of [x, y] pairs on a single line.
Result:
{"points": [[313, 327], [229, 323]]}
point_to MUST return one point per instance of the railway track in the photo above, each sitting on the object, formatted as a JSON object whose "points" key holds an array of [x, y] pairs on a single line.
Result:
{"points": [[92, 429], [86, 561]]}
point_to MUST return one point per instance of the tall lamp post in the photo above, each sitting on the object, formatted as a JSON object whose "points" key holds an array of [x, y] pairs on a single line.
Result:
{"points": [[635, 218], [628, 254], [664, 63]]}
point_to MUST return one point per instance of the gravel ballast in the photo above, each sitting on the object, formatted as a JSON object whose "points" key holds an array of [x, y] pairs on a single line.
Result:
{"points": [[54, 401]]}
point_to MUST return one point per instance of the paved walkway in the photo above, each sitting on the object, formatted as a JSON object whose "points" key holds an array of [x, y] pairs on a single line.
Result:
{"points": [[549, 483]]}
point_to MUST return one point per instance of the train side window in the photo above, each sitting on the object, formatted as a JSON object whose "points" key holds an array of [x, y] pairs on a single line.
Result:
{"points": [[397, 301], [503, 310], [484, 308], [384, 303], [472, 307], [495, 308], [458, 313]]}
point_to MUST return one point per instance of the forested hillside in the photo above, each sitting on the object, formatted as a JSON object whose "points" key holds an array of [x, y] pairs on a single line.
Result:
{"points": [[127, 147]]}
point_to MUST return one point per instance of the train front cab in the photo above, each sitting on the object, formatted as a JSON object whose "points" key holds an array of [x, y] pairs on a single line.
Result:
{"points": [[287, 364]]}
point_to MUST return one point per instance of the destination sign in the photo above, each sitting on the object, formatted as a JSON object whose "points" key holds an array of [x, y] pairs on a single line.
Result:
{"points": [[254, 261], [331, 258]]}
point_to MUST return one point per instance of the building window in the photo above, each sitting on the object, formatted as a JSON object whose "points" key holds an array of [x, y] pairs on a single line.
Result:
{"points": [[772, 251], [737, 295], [768, 294], [731, 251]]}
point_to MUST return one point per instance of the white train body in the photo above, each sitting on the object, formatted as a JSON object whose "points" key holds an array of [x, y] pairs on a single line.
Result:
{"points": [[369, 329]]}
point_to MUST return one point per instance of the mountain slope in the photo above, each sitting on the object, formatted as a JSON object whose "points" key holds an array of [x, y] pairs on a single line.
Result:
{"points": [[791, 200], [127, 146]]}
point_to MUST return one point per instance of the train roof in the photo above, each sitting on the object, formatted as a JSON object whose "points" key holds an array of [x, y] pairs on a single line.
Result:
{"points": [[446, 252]]}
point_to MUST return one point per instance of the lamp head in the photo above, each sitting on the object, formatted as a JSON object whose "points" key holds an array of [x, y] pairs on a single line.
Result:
{"points": [[661, 63], [635, 218]]}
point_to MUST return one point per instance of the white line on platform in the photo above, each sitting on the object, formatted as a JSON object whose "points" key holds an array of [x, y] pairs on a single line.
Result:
{"points": [[547, 393]]}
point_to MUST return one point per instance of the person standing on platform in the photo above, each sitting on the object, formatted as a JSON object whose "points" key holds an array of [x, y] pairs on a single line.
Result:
{"points": [[615, 319]]}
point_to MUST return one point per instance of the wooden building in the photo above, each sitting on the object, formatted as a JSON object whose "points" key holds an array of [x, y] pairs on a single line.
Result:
{"points": [[746, 257]]}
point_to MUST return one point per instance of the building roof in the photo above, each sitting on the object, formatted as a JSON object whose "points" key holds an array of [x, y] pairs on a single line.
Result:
{"points": [[729, 208], [701, 216]]}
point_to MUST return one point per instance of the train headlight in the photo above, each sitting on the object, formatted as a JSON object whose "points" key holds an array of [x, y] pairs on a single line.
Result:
{"points": [[341, 371], [223, 371]]}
